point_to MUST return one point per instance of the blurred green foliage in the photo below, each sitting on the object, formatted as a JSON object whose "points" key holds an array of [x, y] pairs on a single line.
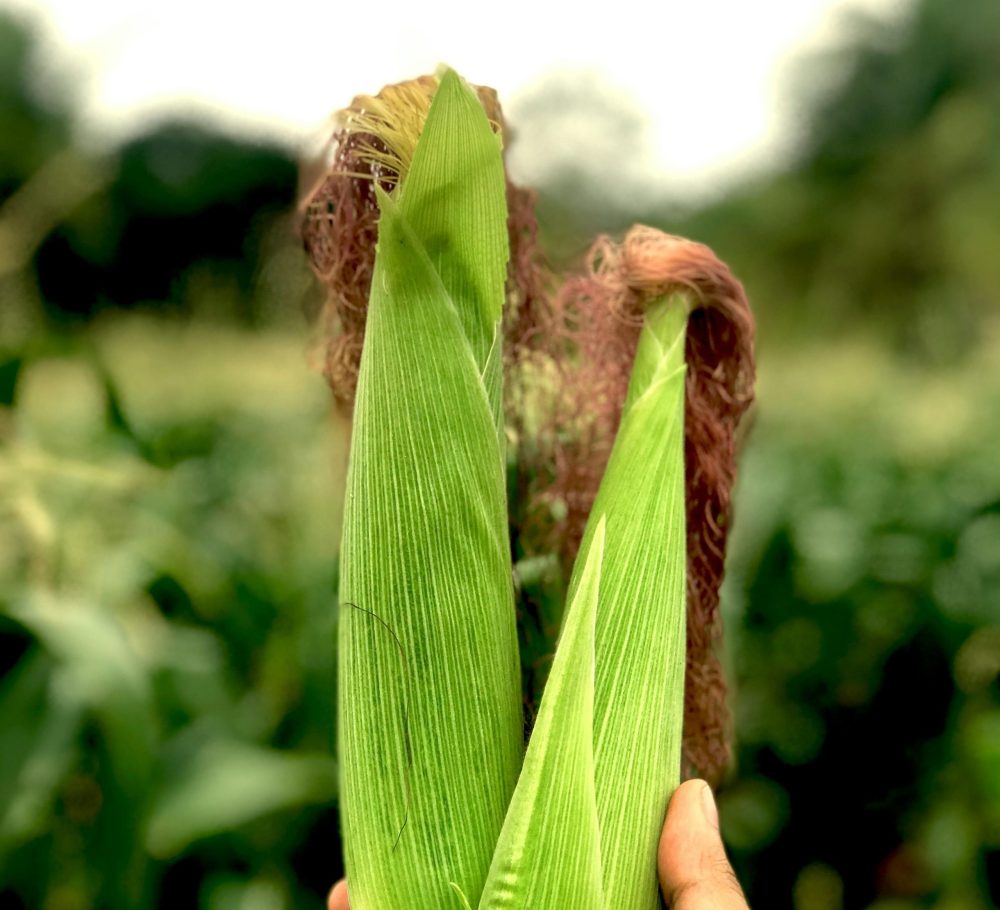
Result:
{"points": [[170, 503], [167, 538], [181, 216], [887, 221], [863, 600], [33, 127]]}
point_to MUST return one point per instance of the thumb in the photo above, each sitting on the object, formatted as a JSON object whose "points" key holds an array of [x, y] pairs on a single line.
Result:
{"points": [[694, 871], [338, 897]]}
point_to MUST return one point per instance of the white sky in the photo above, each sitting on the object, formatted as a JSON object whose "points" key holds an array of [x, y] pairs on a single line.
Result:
{"points": [[712, 76]]}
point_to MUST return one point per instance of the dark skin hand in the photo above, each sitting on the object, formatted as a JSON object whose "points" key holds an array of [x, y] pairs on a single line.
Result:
{"points": [[694, 871]]}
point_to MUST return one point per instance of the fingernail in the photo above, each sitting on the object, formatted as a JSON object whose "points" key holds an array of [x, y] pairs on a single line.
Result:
{"points": [[709, 808]]}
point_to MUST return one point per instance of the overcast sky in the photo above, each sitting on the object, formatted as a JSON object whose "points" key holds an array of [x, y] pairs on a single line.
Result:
{"points": [[713, 77]]}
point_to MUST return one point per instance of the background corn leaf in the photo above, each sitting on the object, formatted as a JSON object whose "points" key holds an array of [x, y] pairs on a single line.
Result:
{"points": [[225, 784], [39, 747], [97, 675]]}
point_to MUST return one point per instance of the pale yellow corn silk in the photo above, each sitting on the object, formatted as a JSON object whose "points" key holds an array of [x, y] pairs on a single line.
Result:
{"points": [[394, 119]]}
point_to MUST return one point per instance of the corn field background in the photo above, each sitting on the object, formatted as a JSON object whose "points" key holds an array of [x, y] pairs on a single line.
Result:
{"points": [[171, 493]]}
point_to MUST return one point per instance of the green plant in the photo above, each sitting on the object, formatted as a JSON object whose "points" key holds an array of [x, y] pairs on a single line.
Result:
{"points": [[438, 809]]}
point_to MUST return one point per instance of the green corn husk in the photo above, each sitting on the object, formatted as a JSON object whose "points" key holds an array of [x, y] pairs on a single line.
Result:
{"points": [[431, 735], [640, 633], [549, 852], [584, 822], [434, 812]]}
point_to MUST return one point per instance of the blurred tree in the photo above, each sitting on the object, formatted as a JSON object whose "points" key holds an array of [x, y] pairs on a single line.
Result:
{"points": [[564, 113], [891, 81], [887, 217], [179, 215], [42, 180], [183, 223], [34, 125]]}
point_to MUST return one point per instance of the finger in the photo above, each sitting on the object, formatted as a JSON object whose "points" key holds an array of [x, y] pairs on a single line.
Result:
{"points": [[694, 871], [338, 897]]}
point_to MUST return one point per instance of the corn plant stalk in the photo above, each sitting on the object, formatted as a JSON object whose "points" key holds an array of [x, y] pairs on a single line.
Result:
{"points": [[430, 737]]}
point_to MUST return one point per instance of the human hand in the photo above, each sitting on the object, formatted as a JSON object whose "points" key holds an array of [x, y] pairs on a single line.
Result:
{"points": [[694, 872], [338, 897]]}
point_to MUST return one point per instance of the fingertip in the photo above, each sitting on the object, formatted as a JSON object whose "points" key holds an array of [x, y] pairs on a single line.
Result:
{"points": [[692, 803], [691, 860], [683, 831], [338, 897], [708, 807]]}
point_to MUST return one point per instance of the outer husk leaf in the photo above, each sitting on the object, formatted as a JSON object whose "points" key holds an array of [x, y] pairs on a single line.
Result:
{"points": [[430, 736], [640, 633], [549, 852]]}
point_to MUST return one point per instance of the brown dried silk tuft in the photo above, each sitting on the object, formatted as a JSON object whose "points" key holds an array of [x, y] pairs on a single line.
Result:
{"points": [[373, 141], [568, 357], [600, 315]]}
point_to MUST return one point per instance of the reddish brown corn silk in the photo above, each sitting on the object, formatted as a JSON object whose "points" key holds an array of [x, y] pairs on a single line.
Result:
{"points": [[588, 334]]}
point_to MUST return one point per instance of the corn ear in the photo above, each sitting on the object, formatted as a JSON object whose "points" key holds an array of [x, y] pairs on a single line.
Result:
{"points": [[430, 726], [640, 628], [548, 855], [466, 239]]}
